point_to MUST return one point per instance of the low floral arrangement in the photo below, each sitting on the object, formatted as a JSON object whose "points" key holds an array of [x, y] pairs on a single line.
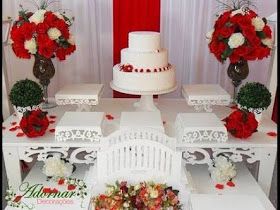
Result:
{"points": [[240, 34], [253, 96], [241, 124], [222, 170], [43, 32], [34, 123], [55, 166], [144, 196]]}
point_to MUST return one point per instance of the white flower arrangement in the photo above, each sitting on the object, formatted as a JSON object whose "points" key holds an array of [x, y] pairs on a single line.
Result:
{"points": [[31, 46], [56, 167], [236, 40], [258, 23], [222, 169], [38, 16]]}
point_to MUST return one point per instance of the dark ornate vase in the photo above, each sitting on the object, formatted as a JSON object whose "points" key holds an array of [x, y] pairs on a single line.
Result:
{"points": [[237, 72], [43, 70]]}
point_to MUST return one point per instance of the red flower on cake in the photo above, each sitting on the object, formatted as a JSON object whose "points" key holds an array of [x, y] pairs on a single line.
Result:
{"points": [[127, 68], [17, 198], [241, 124], [34, 123]]}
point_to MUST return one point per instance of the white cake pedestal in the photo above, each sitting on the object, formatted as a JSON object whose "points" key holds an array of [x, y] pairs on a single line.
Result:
{"points": [[146, 102]]}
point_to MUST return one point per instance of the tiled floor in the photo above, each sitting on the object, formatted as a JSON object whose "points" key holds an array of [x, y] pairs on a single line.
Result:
{"points": [[273, 191]]}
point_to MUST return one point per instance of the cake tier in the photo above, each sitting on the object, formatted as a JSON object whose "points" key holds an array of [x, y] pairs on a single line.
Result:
{"points": [[136, 81], [149, 60], [144, 41]]}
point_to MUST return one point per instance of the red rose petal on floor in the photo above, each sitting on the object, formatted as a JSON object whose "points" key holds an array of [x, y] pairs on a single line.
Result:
{"points": [[3, 127], [13, 123], [13, 129], [52, 116], [230, 184], [219, 186], [52, 130], [109, 117], [273, 134], [20, 134], [51, 121]]}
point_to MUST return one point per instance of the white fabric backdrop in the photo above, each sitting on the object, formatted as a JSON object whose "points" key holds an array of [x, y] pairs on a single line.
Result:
{"points": [[184, 25]]}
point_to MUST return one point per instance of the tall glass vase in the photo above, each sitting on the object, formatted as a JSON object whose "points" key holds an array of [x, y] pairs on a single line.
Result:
{"points": [[44, 70], [237, 72]]}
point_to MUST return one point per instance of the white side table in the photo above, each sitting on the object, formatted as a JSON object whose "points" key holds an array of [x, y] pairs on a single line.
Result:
{"points": [[84, 95], [203, 96]]}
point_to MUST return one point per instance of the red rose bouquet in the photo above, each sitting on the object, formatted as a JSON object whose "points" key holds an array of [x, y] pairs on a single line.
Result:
{"points": [[34, 123], [43, 32], [241, 124], [240, 34]]}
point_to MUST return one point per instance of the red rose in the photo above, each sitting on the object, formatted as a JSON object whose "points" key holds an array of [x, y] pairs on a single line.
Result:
{"points": [[20, 51], [234, 57], [50, 18], [46, 46], [63, 27], [28, 30], [226, 32], [267, 31], [222, 19], [60, 53], [42, 28], [34, 123]]}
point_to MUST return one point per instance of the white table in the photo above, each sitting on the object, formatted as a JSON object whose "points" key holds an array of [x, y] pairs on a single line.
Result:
{"points": [[259, 147]]}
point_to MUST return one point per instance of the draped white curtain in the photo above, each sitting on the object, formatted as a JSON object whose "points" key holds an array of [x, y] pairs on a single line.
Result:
{"points": [[92, 61], [184, 24]]}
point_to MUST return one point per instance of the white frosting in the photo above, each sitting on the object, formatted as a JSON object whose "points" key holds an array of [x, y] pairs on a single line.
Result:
{"points": [[153, 81], [144, 41], [149, 60]]}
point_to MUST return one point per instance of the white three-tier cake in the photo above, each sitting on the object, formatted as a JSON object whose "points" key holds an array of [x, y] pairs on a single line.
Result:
{"points": [[144, 64]]}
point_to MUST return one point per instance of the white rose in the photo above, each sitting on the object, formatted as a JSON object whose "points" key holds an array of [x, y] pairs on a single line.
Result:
{"points": [[54, 33], [258, 23], [31, 46], [209, 35], [58, 15], [125, 204], [236, 40], [71, 39], [268, 42], [38, 16], [153, 193]]}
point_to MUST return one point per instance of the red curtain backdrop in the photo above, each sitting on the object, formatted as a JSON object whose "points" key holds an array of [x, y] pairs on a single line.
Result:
{"points": [[275, 108], [132, 15]]}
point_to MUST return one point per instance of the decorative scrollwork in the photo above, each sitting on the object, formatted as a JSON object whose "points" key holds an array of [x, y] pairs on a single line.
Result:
{"points": [[86, 134], [206, 104], [207, 135], [77, 101], [204, 155], [88, 158]]}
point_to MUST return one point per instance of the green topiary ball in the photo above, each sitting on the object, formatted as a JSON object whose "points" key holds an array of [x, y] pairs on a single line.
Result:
{"points": [[254, 95], [26, 93]]}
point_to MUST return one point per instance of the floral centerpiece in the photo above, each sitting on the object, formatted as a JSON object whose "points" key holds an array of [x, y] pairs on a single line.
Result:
{"points": [[45, 35], [144, 196], [241, 124], [240, 35], [222, 170], [34, 123]]}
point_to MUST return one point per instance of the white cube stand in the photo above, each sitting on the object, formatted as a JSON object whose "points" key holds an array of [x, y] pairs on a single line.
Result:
{"points": [[191, 127], [203, 96], [136, 120], [84, 95], [75, 126], [225, 202]]}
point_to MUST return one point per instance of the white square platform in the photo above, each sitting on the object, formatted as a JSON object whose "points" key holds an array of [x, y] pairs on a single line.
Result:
{"points": [[75, 126], [203, 96], [224, 202], [83, 95], [132, 120], [192, 127]]}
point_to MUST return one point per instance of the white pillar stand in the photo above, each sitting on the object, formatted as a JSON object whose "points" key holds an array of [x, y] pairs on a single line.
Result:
{"points": [[146, 103]]}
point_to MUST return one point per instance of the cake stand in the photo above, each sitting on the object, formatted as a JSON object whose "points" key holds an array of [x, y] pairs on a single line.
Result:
{"points": [[146, 102]]}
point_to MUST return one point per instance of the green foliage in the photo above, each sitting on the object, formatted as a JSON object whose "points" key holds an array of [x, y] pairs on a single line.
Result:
{"points": [[254, 95], [26, 93]]}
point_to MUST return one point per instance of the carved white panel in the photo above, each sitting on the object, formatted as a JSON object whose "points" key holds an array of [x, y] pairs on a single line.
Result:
{"points": [[89, 155], [196, 156], [85, 134], [91, 102]]}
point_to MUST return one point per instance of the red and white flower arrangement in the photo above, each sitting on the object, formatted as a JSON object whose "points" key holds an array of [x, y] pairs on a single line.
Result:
{"points": [[144, 196], [241, 124], [34, 123], [43, 32], [240, 34]]}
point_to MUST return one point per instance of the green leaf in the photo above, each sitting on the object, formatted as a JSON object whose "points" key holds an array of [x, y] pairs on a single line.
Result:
{"points": [[261, 34]]}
